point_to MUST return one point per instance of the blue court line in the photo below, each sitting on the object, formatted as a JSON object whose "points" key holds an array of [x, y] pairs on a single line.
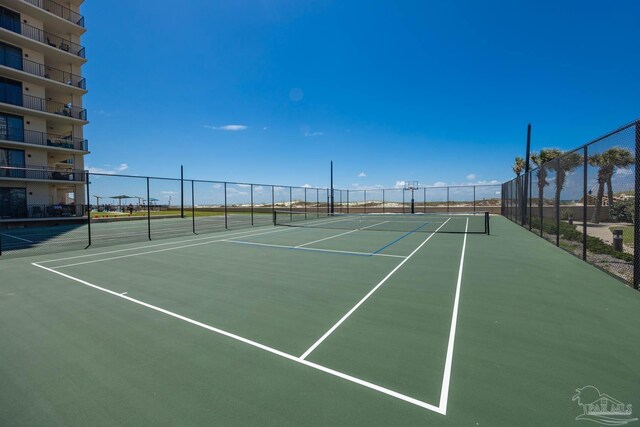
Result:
{"points": [[398, 239]]}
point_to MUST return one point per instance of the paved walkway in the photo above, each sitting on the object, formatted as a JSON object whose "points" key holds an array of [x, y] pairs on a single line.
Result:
{"points": [[603, 232]]}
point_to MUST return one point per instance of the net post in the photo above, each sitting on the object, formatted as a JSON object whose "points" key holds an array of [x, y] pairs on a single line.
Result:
{"points": [[226, 223], [87, 204], [148, 210], [193, 207], [413, 202], [274, 217], [487, 222], [636, 214]]}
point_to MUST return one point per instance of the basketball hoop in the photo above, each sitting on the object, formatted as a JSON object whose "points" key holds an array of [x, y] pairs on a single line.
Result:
{"points": [[411, 185]]}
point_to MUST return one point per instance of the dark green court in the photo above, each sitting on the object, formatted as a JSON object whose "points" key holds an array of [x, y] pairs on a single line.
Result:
{"points": [[307, 326]]}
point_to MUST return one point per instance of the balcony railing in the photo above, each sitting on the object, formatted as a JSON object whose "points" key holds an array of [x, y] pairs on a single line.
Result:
{"points": [[45, 139], [41, 70], [47, 106], [59, 10], [23, 210], [40, 173], [41, 36]]}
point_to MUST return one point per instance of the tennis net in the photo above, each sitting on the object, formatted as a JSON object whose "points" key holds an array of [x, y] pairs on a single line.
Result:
{"points": [[472, 222]]}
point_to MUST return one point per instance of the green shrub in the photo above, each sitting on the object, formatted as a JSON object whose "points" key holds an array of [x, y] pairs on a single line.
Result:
{"points": [[622, 211], [570, 233]]}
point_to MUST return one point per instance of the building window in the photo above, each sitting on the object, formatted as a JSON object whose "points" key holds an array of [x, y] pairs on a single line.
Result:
{"points": [[10, 91], [10, 56], [13, 202], [11, 127], [9, 20], [12, 159]]}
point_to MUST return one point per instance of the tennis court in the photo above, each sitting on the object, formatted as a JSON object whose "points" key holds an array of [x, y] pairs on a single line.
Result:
{"points": [[354, 319]]}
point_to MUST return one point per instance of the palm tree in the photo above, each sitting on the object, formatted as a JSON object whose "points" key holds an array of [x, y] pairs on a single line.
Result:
{"points": [[607, 162], [546, 155], [565, 164], [518, 166]]}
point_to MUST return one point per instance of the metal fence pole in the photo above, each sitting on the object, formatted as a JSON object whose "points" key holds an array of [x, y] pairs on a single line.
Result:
{"points": [[290, 204], [557, 203], [474, 198], [447, 199], [585, 196], [251, 189], [382, 200], [305, 202], [317, 202], [636, 215], [403, 200], [226, 213], [530, 200], [365, 201], [181, 191], [347, 201], [148, 210], [273, 201], [193, 207], [88, 210]]}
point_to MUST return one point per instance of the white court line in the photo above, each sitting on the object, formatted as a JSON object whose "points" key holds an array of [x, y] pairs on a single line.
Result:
{"points": [[288, 356], [17, 238], [269, 245], [338, 235], [151, 252], [444, 393], [355, 307]]}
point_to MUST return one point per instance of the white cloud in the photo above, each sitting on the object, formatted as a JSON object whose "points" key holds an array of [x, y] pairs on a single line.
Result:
{"points": [[108, 169], [232, 128], [306, 186], [440, 184], [399, 184], [362, 174], [471, 176], [313, 133]]}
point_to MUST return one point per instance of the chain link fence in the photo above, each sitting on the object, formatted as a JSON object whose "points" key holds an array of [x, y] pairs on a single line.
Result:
{"points": [[584, 201]]}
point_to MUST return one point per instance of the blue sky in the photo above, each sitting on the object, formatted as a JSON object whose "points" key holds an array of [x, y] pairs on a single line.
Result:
{"points": [[270, 91]]}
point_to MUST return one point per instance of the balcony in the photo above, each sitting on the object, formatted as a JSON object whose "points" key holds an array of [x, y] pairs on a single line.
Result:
{"points": [[47, 106], [41, 173], [24, 211], [44, 71], [59, 10], [41, 36], [18, 135]]}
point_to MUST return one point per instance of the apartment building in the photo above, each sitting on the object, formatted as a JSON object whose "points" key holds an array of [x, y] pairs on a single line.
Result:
{"points": [[42, 146]]}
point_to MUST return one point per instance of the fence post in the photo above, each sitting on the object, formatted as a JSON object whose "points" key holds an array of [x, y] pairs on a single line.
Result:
{"points": [[365, 201], [383, 200], [251, 189], [290, 204], [305, 202], [557, 203], [181, 191], [474, 198], [273, 200], [148, 210], [193, 207], [529, 199], [447, 199], [347, 201], [636, 216], [88, 204], [317, 203], [585, 196], [226, 224]]}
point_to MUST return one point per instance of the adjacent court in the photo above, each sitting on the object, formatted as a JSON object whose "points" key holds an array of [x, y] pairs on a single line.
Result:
{"points": [[377, 319]]}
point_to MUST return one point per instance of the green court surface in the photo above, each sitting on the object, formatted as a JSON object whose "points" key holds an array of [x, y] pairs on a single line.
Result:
{"points": [[313, 326]]}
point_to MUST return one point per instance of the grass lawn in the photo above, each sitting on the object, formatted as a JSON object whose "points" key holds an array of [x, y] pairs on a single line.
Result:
{"points": [[627, 234]]}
